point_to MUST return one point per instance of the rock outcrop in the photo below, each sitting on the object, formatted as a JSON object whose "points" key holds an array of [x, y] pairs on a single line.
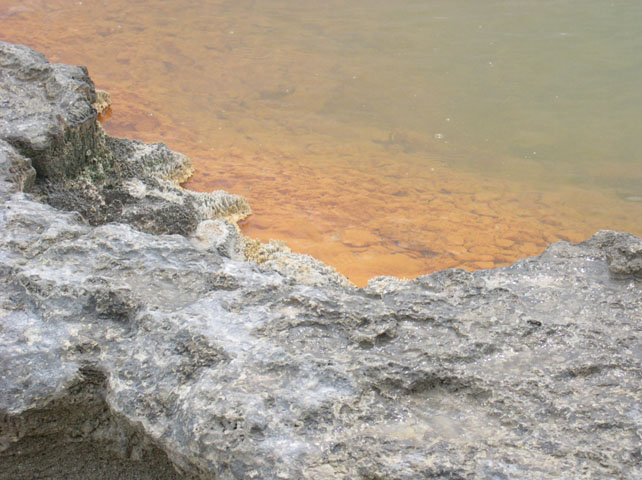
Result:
{"points": [[136, 338]]}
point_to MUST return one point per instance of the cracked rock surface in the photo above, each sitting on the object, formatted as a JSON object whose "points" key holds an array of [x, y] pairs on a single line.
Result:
{"points": [[134, 335]]}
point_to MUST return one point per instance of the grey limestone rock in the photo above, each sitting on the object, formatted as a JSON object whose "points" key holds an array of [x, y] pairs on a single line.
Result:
{"points": [[46, 111], [47, 115], [17, 173], [152, 354]]}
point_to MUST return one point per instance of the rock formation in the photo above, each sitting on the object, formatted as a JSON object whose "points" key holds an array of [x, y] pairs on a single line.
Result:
{"points": [[137, 341]]}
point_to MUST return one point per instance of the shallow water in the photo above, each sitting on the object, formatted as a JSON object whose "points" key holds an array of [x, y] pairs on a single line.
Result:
{"points": [[382, 137]]}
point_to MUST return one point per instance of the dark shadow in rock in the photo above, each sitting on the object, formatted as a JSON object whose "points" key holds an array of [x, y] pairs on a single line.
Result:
{"points": [[77, 437]]}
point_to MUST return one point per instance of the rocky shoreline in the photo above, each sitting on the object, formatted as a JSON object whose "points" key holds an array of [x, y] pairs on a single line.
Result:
{"points": [[141, 332]]}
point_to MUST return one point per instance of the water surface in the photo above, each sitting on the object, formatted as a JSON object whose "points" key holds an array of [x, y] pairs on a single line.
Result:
{"points": [[382, 137]]}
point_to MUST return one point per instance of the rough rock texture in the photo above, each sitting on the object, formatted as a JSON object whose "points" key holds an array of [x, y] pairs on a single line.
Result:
{"points": [[156, 355], [47, 114]]}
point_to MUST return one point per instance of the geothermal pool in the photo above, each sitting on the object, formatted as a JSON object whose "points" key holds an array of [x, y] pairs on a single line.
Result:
{"points": [[385, 138]]}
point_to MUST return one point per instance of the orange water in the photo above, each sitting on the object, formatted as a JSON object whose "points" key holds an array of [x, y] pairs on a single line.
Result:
{"points": [[278, 105]]}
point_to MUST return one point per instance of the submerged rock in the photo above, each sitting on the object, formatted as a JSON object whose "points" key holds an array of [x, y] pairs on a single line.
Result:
{"points": [[134, 335]]}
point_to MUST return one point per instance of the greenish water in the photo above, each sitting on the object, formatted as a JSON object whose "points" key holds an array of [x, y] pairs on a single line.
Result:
{"points": [[556, 83]]}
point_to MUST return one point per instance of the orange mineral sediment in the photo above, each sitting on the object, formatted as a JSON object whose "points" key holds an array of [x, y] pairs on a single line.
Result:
{"points": [[365, 224]]}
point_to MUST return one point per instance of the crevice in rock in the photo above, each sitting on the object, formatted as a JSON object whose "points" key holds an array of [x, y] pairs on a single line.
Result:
{"points": [[76, 436]]}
